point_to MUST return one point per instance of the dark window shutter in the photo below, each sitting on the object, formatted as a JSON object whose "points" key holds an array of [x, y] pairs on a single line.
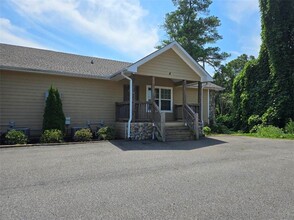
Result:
{"points": [[127, 93]]}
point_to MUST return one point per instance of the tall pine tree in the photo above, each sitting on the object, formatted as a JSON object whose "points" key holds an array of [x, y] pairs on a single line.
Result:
{"points": [[191, 26]]}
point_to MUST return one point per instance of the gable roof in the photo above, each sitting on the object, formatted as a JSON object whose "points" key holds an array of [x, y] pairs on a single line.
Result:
{"points": [[27, 59], [182, 53], [51, 62]]}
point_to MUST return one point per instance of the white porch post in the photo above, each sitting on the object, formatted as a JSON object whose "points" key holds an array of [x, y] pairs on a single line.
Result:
{"points": [[130, 106], [152, 96]]}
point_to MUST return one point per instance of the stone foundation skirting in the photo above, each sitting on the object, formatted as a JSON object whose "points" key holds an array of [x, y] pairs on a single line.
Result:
{"points": [[139, 130]]}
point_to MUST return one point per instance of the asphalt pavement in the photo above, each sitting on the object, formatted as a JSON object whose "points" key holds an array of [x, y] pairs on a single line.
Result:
{"points": [[221, 177]]}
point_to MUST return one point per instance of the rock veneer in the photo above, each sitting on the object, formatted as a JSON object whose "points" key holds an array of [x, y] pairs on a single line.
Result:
{"points": [[141, 131]]}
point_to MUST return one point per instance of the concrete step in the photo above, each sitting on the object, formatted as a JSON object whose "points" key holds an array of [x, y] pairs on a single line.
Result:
{"points": [[174, 124], [179, 139], [178, 132]]}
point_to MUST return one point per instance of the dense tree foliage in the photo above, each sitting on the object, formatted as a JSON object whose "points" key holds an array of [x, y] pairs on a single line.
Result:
{"points": [[191, 26], [250, 90], [224, 77], [278, 34], [265, 86], [53, 117]]}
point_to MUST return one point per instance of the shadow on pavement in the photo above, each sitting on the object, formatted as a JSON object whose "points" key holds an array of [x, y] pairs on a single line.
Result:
{"points": [[155, 145]]}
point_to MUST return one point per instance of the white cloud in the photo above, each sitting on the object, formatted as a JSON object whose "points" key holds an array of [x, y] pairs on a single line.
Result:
{"points": [[11, 34], [251, 45], [113, 23], [240, 10]]}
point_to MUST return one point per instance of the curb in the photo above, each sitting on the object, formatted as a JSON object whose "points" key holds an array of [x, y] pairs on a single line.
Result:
{"points": [[49, 144]]}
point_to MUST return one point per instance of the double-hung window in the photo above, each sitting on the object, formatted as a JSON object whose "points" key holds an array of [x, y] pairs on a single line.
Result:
{"points": [[163, 97]]}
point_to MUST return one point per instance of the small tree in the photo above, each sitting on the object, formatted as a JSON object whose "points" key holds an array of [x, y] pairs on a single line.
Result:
{"points": [[53, 117]]}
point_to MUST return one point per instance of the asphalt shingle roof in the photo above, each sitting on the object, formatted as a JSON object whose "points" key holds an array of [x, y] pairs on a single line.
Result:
{"points": [[25, 58]]}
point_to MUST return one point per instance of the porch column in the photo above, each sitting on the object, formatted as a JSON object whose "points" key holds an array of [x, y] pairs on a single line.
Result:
{"points": [[200, 100], [184, 98], [152, 95], [133, 100], [184, 92]]}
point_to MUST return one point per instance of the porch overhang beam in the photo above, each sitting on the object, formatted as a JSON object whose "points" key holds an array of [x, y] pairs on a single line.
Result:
{"points": [[180, 83]]}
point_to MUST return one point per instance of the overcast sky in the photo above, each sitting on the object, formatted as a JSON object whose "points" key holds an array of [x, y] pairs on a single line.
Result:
{"points": [[123, 30]]}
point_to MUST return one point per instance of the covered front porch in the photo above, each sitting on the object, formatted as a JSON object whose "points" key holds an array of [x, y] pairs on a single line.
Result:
{"points": [[161, 102]]}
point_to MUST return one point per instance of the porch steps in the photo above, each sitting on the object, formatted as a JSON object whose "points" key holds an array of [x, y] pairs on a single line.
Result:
{"points": [[177, 131]]}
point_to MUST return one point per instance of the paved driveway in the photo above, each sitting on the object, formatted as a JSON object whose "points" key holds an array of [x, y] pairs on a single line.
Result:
{"points": [[217, 178]]}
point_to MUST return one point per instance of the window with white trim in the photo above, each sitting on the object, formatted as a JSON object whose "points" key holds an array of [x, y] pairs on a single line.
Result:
{"points": [[163, 97]]}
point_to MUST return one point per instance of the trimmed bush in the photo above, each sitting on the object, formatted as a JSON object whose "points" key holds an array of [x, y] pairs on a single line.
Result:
{"points": [[207, 130], [106, 133], [289, 128], [16, 137], [83, 135], [51, 136]]}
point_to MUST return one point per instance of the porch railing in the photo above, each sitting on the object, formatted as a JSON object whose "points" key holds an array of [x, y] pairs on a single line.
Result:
{"points": [[178, 110], [142, 111], [159, 121], [191, 120]]}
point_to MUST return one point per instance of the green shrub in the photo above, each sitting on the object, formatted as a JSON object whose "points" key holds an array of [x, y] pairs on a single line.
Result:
{"points": [[53, 117], [289, 128], [83, 135], [269, 131], [106, 133], [51, 136], [16, 137], [226, 120], [207, 130], [220, 129]]}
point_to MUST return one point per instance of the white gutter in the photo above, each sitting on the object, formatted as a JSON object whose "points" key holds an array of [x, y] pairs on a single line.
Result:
{"points": [[131, 101]]}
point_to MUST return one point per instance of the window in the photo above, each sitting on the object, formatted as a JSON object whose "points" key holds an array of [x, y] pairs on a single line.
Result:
{"points": [[163, 97]]}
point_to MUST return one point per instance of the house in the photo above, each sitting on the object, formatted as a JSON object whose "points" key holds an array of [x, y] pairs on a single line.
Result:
{"points": [[165, 94]]}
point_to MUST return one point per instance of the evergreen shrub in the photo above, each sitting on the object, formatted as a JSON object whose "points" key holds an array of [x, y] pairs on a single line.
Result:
{"points": [[16, 137], [83, 135], [51, 136], [53, 117], [106, 133]]}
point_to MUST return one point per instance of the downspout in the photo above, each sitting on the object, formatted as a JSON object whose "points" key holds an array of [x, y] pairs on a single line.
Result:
{"points": [[131, 101]]}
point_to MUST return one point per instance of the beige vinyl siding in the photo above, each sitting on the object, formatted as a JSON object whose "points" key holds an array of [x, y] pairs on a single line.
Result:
{"points": [[192, 95], [192, 98], [168, 65], [22, 98]]}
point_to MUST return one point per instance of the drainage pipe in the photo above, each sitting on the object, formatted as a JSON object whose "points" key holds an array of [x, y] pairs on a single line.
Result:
{"points": [[131, 101]]}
